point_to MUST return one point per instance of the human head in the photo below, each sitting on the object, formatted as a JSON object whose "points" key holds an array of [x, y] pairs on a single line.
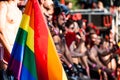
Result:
{"points": [[83, 36], [47, 6], [69, 4], [94, 38], [100, 5], [61, 20], [59, 16], [94, 5], [72, 26], [104, 43], [111, 35], [98, 40]]}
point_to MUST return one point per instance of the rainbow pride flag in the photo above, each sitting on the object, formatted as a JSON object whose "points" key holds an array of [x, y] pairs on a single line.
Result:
{"points": [[34, 56]]}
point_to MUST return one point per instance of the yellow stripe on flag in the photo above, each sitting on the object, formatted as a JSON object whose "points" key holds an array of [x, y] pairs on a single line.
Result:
{"points": [[25, 22], [30, 38]]}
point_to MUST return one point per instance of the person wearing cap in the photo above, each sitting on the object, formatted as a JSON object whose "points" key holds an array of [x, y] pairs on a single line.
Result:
{"points": [[69, 4], [58, 34]]}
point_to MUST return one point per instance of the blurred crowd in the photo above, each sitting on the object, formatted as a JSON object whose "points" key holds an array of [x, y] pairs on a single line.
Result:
{"points": [[81, 48], [83, 52]]}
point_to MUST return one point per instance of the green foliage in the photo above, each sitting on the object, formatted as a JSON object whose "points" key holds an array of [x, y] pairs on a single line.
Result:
{"points": [[76, 4]]}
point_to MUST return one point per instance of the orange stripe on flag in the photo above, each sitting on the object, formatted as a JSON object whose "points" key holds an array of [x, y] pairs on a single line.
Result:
{"points": [[28, 8], [48, 63]]}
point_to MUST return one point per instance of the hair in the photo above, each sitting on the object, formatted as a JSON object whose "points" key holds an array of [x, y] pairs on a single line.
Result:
{"points": [[102, 41], [69, 22], [67, 2], [79, 23]]}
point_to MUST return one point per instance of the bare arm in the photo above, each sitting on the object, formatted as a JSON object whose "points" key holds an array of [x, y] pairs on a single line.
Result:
{"points": [[74, 53], [103, 52], [68, 55], [93, 55]]}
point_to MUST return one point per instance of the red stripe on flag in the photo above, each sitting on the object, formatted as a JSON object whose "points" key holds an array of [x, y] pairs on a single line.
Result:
{"points": [[28, 8], [41, 43]]}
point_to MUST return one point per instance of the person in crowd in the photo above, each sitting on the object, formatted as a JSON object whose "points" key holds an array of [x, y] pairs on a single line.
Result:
{"points": [[47, 7], [93, 58], [10, 18], [101, 7], [94, 5], [48, 10], [69, 4], [58, 34], [113, 45], [21, 4], [107, 57], [75, 39]]}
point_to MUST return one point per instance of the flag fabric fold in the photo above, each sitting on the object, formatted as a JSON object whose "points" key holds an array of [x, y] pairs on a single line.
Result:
{"points": [[34, 56]]}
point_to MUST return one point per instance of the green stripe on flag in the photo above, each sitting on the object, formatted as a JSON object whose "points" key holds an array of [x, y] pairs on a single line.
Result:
{"points": [[29, 61], [21, 37]]}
